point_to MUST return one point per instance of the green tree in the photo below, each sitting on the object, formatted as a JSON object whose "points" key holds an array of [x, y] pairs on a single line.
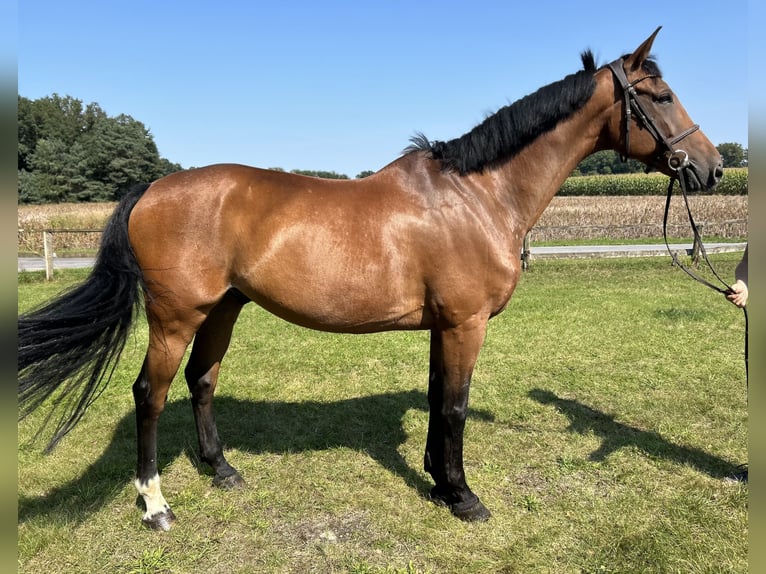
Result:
{"points": [[166, 167], [607, 162], [119, 153], [53, 117], [54, 171], [733, 154], [71, 152], [324, 174]]}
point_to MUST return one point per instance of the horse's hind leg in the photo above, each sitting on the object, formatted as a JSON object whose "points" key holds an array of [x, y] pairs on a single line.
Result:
{"points": [[150, 391], [210, 345]]}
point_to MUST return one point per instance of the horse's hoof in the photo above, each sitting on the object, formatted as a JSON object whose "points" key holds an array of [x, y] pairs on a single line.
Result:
{"points": [[162, 521], [229, 482], [475, 512], [470, 511]]}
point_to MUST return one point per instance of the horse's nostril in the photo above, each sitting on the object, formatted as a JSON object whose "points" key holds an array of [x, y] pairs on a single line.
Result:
{"points": [[719, 172]]}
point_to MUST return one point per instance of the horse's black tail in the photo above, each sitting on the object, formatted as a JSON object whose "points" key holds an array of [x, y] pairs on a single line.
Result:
{"points": [[70, 346]]}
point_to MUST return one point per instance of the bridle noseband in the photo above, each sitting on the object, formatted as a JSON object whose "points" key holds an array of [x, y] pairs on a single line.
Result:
{"points": [[678, 159]]}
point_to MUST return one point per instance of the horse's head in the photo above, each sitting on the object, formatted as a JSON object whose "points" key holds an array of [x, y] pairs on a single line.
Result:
{"points": [[648, 123]]}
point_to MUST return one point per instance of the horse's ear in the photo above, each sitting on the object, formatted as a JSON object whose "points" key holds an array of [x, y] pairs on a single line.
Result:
{"points": [[637, 58]]}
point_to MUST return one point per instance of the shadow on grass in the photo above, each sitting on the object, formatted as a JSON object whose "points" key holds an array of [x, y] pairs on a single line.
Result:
{"points": [[615, 435], [371, 424]]}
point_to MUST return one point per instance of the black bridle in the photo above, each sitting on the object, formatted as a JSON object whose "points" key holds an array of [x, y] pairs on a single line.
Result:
{"points": [[678, 162], [677, 159]]}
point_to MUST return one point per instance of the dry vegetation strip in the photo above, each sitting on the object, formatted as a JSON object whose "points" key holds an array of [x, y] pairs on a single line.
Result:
{"points": [[33, 219], [610, 217], [632, 217]]}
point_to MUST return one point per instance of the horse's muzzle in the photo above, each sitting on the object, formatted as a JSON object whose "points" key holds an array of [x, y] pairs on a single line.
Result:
{"points": [[696, 178]]}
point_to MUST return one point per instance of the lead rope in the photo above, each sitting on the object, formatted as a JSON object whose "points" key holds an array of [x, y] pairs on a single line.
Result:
{"points": [[698, 241]]}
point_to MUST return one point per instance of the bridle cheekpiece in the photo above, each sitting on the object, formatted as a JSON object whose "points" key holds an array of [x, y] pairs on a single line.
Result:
{"points": [[677, 159]]}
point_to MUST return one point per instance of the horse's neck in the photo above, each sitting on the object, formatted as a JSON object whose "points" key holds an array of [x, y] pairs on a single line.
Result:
{"points": [[532, 177]]}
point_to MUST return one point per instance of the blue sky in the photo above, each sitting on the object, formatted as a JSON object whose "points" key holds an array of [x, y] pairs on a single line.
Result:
{"points": [[342, 86]]}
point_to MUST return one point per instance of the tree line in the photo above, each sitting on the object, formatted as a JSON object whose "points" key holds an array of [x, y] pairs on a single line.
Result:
{"points": [[70, 152]]}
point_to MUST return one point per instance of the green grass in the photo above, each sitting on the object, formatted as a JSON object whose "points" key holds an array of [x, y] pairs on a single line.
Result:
{"points": [[607, 407]]}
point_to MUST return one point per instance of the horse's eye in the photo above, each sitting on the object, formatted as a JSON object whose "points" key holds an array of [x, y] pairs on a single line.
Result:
{"points": [[665, 98]]}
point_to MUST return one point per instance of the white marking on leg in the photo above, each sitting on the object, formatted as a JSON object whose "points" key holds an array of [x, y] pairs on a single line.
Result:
{"points": [[152, 495]]}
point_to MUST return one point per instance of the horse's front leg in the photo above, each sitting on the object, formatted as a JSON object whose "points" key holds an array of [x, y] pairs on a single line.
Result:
{"points": [[453, 355]]}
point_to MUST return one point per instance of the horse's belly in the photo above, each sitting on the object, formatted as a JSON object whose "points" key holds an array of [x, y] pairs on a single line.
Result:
{"points": [[346, 309], [342, 295]]}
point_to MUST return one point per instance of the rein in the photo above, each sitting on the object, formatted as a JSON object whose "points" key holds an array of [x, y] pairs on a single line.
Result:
{"points": [[725, 290], [697, 239], [678, 161]]}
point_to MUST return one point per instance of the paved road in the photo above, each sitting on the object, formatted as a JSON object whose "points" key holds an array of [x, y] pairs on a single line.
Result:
{"points": [[38, 263], [584, 251], [652, 250]]}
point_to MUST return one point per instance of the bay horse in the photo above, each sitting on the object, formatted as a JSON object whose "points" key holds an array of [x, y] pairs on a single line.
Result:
{"points": [[431, 241]]}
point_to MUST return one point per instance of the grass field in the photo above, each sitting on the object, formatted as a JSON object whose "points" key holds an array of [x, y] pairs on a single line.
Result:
{"points": [[608, 407]]}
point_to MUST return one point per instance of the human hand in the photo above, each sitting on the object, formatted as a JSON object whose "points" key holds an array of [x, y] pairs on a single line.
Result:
{"points": [[738, 293]]}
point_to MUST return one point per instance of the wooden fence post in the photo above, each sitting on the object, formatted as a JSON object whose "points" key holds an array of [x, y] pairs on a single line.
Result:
{"points": [[525, 253], [48, 254], [696, 246]]}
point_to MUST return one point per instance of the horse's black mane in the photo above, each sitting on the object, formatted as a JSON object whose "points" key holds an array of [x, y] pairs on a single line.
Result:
{"points": [[505, 133]]}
